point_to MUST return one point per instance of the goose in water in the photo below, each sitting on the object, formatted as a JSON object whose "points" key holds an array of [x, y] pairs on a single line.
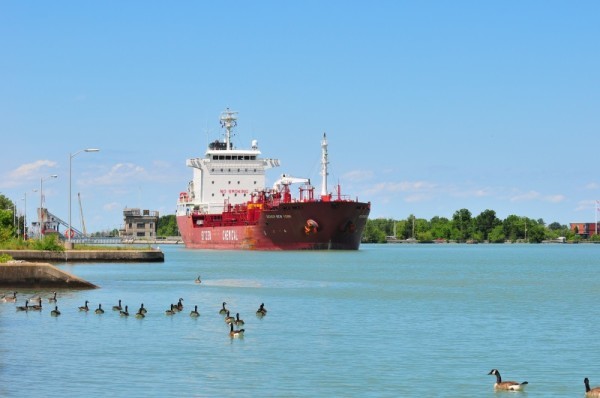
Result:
{"points": [[99, 310], [10, 299], [84, 307], [170, 311], [506, 385], [261, 311], [590, 392], [143, 309], [52, 299], [238, 321], [24, 308], [117, 307], [140, 313], [38, 306], [194, 313], [198, 279], [223, 310], [179, 305], [124, 312], [235, 333], [55, 311], [229, 319]]}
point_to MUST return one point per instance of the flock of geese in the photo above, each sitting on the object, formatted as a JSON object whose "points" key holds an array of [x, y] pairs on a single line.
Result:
{"points": [[141, 312], [235, 333]]}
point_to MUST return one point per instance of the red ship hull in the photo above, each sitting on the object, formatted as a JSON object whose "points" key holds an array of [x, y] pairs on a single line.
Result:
{"points": [[315, 225]]}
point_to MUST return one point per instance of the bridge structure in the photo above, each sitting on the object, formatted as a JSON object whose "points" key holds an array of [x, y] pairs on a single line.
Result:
{"points": [[50, 224]]}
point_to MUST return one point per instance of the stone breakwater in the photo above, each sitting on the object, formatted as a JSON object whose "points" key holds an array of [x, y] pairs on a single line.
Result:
{"points": [[39, 275], [78, 256]]}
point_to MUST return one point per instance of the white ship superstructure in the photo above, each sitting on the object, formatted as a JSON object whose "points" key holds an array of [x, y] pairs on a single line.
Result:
{"points": [[225, 176]]}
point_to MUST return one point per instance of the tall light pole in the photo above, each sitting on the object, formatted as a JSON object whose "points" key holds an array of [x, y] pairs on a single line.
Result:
{"points": [[25, 217], [41, 196], [71, 156]]}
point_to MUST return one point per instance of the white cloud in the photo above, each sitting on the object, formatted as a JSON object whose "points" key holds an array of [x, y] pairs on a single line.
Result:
{"points": [[358, 175], [592, 186], [531, 195], [554, 198], [30, 170], [121, 173]]}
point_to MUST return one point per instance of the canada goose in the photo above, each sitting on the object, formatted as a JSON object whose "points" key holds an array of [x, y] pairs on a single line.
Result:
{"points": [[590, 392], [99, 310], [10, 299], [117, 307], [37, 307], [238, 321], [52, 299], [24, 308], [194, 313], [124, 312], [506, 385], [179, 305], [170, 311], [223, 310], [55, 311], [198, 279], [229, 319], [140, 313], [84, 307], [261, 311], [142, 309], [235, 333]]}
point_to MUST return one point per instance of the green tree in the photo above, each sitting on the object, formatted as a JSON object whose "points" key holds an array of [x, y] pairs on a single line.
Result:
{"points": [[496, 235], [462, 223], [441, 228], [373, 233], [514, 228], [485, 222], [167, 226]]}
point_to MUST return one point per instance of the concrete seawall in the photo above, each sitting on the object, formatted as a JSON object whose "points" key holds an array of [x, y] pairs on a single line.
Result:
{"points": [[77, 256], [39, 275]]}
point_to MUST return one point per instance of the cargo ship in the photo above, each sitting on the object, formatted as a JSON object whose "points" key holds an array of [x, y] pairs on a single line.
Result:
{"points": [[227, 205]]}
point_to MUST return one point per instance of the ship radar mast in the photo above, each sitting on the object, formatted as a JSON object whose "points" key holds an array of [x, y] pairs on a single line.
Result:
{"points": [[228, 121], [324, 163]]}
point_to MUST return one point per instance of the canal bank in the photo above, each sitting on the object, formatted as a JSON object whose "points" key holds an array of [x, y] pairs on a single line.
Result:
{"points": [[139, 256], [39, 275]]}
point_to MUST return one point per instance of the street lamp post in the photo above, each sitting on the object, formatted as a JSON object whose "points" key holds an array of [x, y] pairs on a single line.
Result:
{"points": [[25, 217], [41, 196], [71, 156]]}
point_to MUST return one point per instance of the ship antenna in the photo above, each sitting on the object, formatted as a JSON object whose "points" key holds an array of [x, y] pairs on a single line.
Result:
{"points": [[324, 163], [228, 121]]}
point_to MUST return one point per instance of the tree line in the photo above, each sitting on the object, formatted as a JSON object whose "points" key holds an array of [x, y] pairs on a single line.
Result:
{"points": [[463, 227]]}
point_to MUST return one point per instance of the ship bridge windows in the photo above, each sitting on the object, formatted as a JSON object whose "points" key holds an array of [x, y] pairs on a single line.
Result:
{"points": [[233, 157]]}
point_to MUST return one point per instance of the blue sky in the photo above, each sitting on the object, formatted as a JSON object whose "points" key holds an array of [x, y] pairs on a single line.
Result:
{"points": [[429, 106]]}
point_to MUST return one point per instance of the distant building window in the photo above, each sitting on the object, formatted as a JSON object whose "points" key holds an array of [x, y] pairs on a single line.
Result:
{"points": [[130, 225], [141, 234], [141, 225]]}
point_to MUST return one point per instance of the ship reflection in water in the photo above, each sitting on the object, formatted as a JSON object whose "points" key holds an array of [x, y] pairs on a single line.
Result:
{"points": [[227, 206]]}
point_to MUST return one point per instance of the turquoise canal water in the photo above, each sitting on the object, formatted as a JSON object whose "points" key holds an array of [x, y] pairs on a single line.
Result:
{"points": [[385, 321]]}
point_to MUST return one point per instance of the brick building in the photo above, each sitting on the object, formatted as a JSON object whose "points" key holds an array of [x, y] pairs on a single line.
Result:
{"points": [[584, 229]]}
